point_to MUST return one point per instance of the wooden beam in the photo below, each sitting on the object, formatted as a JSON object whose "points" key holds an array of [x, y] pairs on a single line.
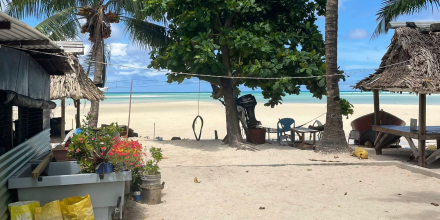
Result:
{"points": [[5, 25], [422, 128], [380, 145], [433, 157], [376, 107], [25, 42], [413, 147], [78, 116], [56, 73], [63, 119], [43, 164]]}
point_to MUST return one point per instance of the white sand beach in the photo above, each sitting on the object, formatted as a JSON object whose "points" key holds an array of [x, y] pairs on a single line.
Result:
{"points": [[235, 184], [174, 119]]}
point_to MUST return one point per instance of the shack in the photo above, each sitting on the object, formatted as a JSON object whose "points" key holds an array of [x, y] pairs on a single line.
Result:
{"points": [[75, 85], [24, 91], [411, 64]]}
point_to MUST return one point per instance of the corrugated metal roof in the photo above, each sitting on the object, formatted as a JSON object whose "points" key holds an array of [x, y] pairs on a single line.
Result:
{"points": [[22, 32]]}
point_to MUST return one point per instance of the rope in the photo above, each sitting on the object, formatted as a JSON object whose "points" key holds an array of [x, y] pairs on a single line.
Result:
{"points": [[201, 75], [312, 120], [198, 116], [198, 101]]}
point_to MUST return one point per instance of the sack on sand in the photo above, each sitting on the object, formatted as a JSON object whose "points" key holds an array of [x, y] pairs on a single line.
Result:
{"points": [[77, 208], [23, 210], [50, 211]]}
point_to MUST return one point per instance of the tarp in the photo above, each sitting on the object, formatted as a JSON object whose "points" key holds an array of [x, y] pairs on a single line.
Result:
{"points": [[15, 99]]}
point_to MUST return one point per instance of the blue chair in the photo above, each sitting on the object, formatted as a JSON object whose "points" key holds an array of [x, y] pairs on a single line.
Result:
{"points": [[284, 125]]}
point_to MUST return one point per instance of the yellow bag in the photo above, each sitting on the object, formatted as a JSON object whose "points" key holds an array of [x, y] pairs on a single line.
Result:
{"points": [[50, 211], [23, 210], [77, 208], [360, 153]]}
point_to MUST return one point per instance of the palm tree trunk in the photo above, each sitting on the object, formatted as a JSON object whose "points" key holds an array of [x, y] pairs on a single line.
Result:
{"points": [[97, 79], [333, 140]]}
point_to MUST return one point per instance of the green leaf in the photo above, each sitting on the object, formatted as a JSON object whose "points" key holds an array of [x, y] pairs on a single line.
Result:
{"points": [[196, 39]]}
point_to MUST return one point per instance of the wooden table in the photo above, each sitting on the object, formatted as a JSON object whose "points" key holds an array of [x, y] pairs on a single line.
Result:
{"points": [[432, 133], [301, 132]]}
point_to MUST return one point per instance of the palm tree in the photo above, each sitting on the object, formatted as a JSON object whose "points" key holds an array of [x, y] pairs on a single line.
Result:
{"points": [[333, 139], [391, 9], [66, 19]]}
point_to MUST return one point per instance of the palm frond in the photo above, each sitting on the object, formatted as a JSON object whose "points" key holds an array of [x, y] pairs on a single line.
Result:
{"points": [[145, 34], [391, 9], [39, 9], [61, 26]]}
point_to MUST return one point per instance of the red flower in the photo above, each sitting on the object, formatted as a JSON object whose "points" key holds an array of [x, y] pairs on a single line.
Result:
{"points": [[102, 154], [77, 150]]}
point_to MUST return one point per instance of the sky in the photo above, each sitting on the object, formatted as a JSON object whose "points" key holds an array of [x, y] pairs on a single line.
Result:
{"points": [[358, 55]]}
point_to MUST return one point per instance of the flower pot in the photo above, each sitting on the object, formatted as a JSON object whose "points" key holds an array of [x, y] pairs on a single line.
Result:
{"points": [[149, 180], [108, 168], [151, 194], [60, 154]]}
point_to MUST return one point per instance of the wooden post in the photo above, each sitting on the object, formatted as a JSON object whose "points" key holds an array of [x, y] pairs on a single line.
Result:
{"points": [[376, 107], [215, 133], [129, 109], [376, 116], [78, 117], [422, 128], [63, 119]]}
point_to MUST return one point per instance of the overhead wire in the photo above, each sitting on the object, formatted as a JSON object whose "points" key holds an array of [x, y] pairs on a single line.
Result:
{"points": [[212, 76]]}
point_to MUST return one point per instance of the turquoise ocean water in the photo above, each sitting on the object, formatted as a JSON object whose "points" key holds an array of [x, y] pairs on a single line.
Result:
{"points": [[304, 97]]}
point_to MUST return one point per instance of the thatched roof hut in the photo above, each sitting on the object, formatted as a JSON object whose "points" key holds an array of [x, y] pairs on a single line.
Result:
{"points": [[411, 64], [75, 85]]}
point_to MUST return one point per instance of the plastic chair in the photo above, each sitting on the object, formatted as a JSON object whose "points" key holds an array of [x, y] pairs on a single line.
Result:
{"points": [[284, 125]]}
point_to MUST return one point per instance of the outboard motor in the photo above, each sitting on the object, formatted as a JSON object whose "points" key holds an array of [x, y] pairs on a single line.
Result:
{"points": [[249, 102]]}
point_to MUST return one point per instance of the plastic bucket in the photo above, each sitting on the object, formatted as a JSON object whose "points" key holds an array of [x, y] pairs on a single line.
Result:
{"points": [[151, 194], [258, 135], [137, 196], [108, 168], [148, 180]]}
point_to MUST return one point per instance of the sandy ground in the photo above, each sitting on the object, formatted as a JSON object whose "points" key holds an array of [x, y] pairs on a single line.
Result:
{"points": [[235, 184], [176, 118]]}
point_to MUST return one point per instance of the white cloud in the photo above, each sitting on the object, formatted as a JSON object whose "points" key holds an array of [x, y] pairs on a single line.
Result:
{"points": [[118, 49], [357, 34], [341, 3]]}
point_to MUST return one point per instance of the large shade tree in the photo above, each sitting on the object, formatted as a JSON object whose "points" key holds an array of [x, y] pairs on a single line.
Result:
{"points": [[67, 19], [252, 38], [392, 9]]}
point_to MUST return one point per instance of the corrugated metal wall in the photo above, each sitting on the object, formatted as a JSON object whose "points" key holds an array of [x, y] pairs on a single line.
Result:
{"points": [[23, 75], [13, 160]]}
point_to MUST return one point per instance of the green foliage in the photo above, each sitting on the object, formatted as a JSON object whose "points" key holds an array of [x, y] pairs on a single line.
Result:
{"points": [[346, 108], [391, 9], [262, 38], [90, 147]]}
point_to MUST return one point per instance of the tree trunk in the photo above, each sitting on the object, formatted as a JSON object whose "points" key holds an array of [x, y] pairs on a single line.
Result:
{"points": [[233, 133], [94, 108], [333, 140], [232, 122]]}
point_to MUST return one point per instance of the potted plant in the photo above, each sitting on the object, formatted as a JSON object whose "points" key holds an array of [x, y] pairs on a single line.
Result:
{"points": [[150, 172], [91, 147]]}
